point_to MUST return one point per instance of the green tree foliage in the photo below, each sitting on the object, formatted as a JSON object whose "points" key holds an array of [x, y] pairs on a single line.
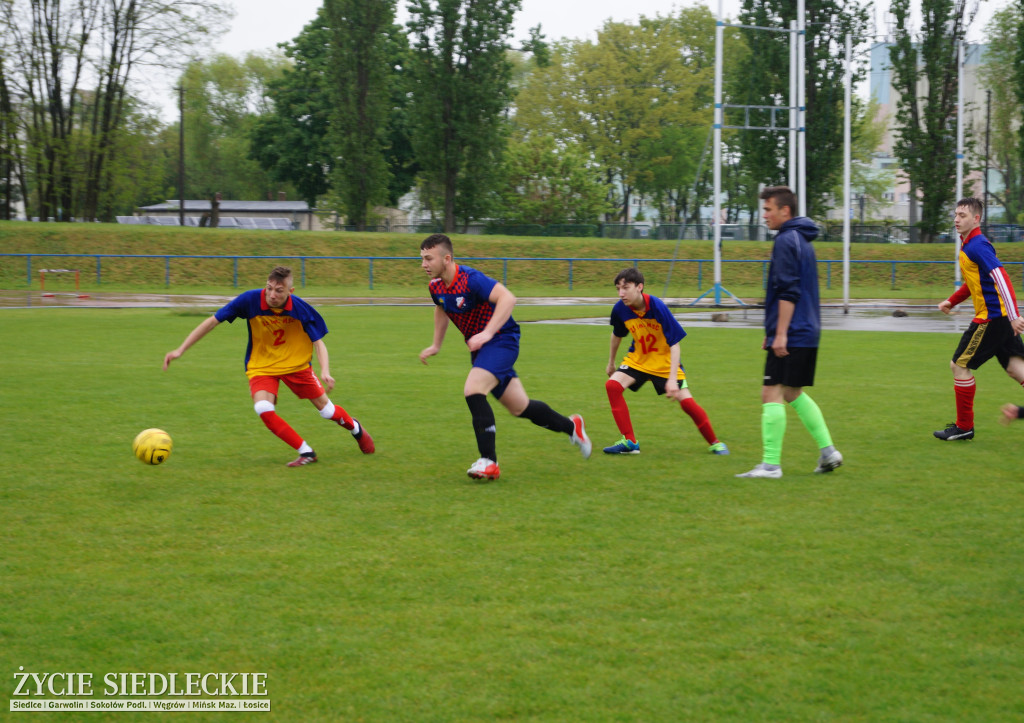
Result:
{"points": [[459, 80], [764, 80], [359, 89], [67, 66], [223, 98], [293, 141], [546, 184], [637, 102], [1003, 75], [924, 71], [289, 142]]}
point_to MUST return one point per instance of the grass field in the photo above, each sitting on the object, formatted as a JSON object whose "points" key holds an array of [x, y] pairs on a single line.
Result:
{"points": [[392, 588]]}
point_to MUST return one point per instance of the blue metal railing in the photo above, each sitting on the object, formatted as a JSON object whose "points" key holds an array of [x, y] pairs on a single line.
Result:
{"points": [[504, 259]]}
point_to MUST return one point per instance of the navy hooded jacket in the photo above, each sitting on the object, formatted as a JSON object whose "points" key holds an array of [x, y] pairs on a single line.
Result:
{"points": [[793, 276]]}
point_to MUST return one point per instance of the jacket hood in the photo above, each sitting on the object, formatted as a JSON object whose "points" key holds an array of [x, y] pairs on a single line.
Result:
{"points": [[802, 225]]}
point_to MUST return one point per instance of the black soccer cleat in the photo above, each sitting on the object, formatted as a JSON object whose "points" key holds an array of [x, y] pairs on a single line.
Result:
{"points": [[953, 432]]}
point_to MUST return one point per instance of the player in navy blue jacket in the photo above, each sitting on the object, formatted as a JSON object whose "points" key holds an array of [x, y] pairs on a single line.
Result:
{"points": [[792, 325], [481, 309]]}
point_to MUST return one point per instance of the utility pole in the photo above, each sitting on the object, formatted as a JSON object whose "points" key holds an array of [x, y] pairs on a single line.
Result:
{"points": [[181, 155], [988, 127]]}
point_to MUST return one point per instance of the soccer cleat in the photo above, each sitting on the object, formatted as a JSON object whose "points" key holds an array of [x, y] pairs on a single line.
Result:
{"points": [[954, 432], [579, 436], [302, 459], [623, 446], [761, 471], [364, 440], [718, 448], [484, 468], [827, 464]]}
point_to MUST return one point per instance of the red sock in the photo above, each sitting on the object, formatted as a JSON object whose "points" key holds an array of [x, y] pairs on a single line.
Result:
{"points": [[342, 417], [700, 418], [964, 389], [620, 411], [281, 428]]}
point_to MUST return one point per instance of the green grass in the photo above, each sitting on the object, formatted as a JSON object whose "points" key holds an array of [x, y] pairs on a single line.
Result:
{"points": [[403, 277], [392, 588]]}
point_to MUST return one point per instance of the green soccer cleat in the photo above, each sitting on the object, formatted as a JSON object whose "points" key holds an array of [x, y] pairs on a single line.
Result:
{"points": [[718, 448], [623, 446]]}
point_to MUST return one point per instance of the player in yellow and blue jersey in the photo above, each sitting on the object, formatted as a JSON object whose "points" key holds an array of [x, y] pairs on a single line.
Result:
{"points": [[284, 332], [481, 309], [653, 357], [995, 330]]}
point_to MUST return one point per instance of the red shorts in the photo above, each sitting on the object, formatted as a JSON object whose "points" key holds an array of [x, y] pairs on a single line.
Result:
{"points": [[304, 384]]}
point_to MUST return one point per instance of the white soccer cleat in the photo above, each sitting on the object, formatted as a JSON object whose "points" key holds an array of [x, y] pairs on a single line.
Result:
{"points": [[827, 464], [579, 436], [484, 468], [761, 471]]}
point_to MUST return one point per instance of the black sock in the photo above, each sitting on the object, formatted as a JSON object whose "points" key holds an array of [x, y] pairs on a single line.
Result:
{"points": [[544, 416], [483, 425]]}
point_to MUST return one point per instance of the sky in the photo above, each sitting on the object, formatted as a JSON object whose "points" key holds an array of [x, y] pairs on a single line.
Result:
{"points": [[261, 24]]}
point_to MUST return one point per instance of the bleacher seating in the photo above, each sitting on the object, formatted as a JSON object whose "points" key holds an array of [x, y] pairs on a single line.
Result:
{"points": [[164, 220], [246, 222], [130, 220]]}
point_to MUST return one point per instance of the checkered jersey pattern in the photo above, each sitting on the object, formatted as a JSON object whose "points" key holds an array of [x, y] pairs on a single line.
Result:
{"points": [[465, 301]]}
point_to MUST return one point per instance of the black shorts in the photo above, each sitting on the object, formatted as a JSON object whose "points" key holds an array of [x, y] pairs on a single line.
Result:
{"points": [[640, 378], [981, 342], [793, 370]]}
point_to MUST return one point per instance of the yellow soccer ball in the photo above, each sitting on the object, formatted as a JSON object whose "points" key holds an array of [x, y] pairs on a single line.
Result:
{"points": [[152, 446]]}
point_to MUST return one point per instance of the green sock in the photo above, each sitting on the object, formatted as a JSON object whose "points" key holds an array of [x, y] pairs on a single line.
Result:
{"points": [[773, 429], [813, 419]]}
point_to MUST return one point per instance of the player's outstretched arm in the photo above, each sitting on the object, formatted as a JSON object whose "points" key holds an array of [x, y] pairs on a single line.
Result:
{"points": [[613, 353], [672, 390], [440, 327], [198, 333], [324, 360]]}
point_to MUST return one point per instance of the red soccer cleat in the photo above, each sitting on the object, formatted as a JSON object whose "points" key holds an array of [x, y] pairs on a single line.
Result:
{"points": [[364, 440], [484, 468], [303, 459]]}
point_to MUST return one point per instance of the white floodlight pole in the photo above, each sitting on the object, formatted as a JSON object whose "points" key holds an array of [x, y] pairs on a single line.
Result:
{"points": [[792, 103], [801, 51], [719, 120], [847, 196], [959, 149]]}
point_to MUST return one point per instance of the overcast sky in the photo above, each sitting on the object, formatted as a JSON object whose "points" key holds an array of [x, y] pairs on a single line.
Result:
{"points": [[262, 24]]}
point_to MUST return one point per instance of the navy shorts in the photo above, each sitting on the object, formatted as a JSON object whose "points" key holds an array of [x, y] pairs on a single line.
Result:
{"points": [[498, 356]]}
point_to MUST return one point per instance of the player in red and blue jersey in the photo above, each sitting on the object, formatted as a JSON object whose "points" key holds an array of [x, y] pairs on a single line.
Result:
{"points": [[481, 308], [284, 332], [995, 330], [653, 357]]}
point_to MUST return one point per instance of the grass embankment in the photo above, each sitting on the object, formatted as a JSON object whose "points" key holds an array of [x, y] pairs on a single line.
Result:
{"points": [[395, 272]]}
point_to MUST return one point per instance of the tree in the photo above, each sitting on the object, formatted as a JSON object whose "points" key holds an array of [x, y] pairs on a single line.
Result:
{"points": [[545, 184], [459, 76], [69, 64], [763, 79], [223, 97], [638, 102], [925, 76], [1003, 75], [360, 90]]}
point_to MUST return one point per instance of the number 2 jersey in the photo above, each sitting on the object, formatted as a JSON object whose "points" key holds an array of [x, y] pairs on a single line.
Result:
{"points": [[466, 301], [654, 331], [280, 340]]}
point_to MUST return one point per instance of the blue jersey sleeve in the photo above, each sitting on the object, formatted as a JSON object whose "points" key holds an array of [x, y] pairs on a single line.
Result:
{"points": [[984, 255], [480, 284], [670, 327], [240, 307], [617, 322]]}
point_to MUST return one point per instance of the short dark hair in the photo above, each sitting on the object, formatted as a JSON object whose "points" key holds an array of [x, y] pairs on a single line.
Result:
{"points": [[972, 204], [279, 273], [631, 275], [438, 239], [783, 196]]}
